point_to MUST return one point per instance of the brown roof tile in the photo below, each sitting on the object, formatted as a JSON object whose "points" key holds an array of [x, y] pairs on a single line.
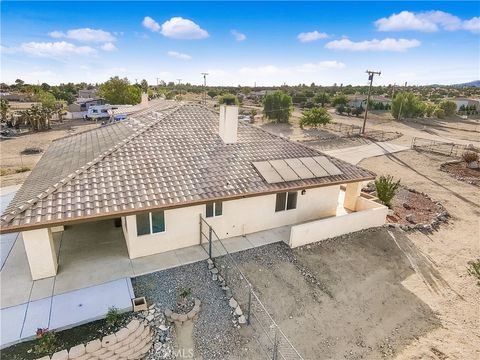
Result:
{"points": [[175, 157]]}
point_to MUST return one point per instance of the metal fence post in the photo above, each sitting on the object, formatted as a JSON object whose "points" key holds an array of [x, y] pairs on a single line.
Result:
{"points": [[275, 345], [210, 242], [249, 306]]}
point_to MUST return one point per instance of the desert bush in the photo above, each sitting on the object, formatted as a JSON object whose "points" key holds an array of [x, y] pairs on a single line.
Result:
{"points": [[314, 117], [113, 316], [386, 188], [469, 156], [46, 342], [439, 113], [474, 269]]}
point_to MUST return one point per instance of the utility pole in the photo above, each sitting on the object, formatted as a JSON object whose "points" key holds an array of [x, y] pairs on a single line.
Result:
{"points": [[401, 105], [371, 74], [179, 81], [204, 87]]}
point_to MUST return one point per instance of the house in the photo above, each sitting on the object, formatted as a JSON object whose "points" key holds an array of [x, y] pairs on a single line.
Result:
{"points": [[87, 94], [361, 100], [467, 103], [157, 173], [85, 104]]}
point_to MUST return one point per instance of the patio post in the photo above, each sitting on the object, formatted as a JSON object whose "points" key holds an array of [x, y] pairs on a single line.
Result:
{"points": [[352, 192], [41, 254]]}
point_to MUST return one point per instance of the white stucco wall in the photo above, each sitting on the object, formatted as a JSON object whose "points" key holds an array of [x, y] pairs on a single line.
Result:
{"points": [[238, 217], [368, 214]]}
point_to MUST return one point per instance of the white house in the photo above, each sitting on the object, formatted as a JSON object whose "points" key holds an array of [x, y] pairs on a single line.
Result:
{"points": [[159, 171]]}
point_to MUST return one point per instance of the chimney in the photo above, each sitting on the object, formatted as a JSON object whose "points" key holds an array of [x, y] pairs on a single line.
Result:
{"points": [[228, 125]]}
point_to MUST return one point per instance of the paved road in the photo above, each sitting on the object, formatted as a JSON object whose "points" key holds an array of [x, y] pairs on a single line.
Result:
{"points": [[355, 154]]}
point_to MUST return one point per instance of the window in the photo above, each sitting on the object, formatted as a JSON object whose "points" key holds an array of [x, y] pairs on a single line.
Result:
{"points": [[214, 209], [286, 201], [150, 223]]}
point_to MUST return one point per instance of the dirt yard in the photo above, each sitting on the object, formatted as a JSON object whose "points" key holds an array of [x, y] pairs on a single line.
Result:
{"points": [[10, 149], [382, 293]]}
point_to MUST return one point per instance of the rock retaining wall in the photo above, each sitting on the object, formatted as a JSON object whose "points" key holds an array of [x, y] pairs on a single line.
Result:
{"points": [[131, 342]]}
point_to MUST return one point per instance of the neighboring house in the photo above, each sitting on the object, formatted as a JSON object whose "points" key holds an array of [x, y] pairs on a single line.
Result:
{"points": [[467, 103], [87, 94], [158, 172], [84, 105], [361, 100]]}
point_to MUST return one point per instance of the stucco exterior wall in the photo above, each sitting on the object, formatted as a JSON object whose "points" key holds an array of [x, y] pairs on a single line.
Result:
{"points": [[368, 214], [238, 217]]}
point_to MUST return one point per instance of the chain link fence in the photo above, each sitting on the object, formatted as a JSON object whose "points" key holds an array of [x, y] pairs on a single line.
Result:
{"points": [[273, 342], [439, 147]]}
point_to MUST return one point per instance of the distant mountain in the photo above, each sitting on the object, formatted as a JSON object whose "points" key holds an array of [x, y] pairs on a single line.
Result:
{"points": [[475, 83]]}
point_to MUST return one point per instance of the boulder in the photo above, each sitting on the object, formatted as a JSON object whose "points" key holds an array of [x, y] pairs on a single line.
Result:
{"points": [[233, 303]]}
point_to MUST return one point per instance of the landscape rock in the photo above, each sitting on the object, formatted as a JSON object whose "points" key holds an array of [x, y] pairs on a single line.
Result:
{"points": [[233, 303], [242, 319]]}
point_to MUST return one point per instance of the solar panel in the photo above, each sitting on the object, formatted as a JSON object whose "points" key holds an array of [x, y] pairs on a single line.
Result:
{"points": [[284, 170], [277, 171], [327, 165], [314, 167], [266, 170], [299, 168]]}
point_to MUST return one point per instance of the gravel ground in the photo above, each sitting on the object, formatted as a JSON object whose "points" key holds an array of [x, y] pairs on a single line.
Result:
{"points": [[214, 333]]}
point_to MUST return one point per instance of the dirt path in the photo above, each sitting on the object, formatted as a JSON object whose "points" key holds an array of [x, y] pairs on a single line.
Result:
{"points": [[184, 337]]}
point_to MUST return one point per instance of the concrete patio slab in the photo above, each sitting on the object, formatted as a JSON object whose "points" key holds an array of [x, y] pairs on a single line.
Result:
{"points": [[152, 263], [42, 288], [191, 254], [88, 304], [356, 154], [237, 243], [12, 323], [270, 236], [38, 316]]}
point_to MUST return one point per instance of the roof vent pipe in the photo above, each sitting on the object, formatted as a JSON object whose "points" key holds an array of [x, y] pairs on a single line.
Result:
{"points": [[228, 124]]}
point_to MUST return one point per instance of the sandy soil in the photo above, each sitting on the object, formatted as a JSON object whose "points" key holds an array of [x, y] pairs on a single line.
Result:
{"points": [[453, 295], [10, 148]]}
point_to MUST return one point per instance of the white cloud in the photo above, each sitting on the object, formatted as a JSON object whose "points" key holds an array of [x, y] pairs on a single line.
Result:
{"points": [[53, 49], [427, 21], [472, 25], [108, 47], [320, 66], [311, 36], [388, 44], [84, 35], [150, 24], [238, 35], [178, 55], [180, 28]]}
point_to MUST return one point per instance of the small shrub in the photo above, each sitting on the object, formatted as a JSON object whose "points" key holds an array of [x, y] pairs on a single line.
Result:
{"points": [[469, 156], [113, 316], [46, 342], [386, 189], [185, 293], [31, 151], [474, 269], [22, 169]]}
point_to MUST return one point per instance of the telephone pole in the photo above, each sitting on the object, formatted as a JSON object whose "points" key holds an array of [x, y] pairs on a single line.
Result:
{"points": [[371, 74], [204, 87]]}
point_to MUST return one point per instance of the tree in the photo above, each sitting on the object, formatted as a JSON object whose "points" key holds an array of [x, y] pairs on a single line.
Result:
{"points": [[314, 117], [212, 93], [119, 91], [340, 99], [4, 106], [407, 105], [340, 109], [47, 99], [228, 99], [144, 85], [321, 98], [449, 107], [277, 106]]}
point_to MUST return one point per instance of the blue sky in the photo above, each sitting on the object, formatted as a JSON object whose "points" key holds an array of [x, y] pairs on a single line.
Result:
{"points": [[267, 43]]}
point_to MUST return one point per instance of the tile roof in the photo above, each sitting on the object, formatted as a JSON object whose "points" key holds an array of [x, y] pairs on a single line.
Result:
{"points": [[162, 159]]}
